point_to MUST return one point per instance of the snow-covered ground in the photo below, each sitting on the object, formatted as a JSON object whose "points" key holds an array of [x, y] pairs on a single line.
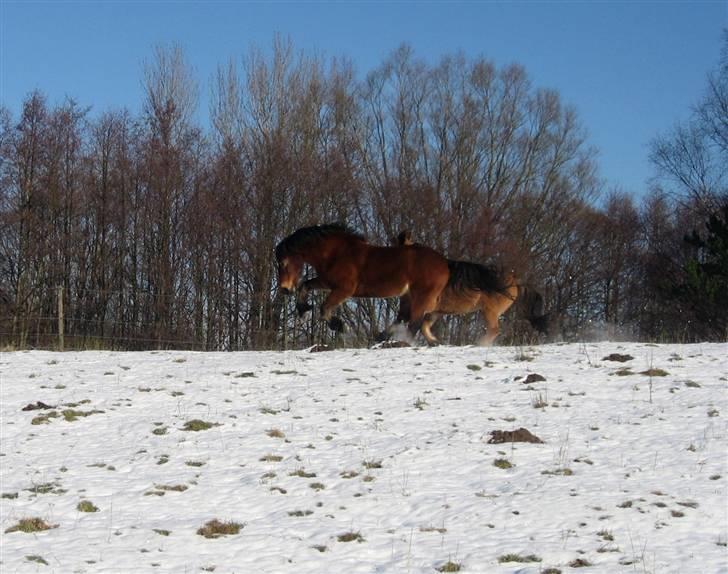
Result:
{"points": [[368, 460]]}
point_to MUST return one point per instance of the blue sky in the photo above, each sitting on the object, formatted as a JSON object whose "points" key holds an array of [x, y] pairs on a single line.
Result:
{"points": [[631, 68]]}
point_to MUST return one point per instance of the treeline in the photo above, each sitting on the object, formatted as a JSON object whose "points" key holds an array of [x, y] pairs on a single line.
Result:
{"points": [[160, 233]]}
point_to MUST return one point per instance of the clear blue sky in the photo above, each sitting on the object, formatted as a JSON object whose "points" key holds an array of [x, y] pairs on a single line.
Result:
{"points": [[631, 68]]}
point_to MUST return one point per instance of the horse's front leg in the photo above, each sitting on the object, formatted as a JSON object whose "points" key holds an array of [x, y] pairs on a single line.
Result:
{"points": [[426, 327], [402, 317], [335, 298], [302, 304], [422, 315]]}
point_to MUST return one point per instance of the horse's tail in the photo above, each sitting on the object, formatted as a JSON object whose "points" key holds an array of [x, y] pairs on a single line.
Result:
{"points": [[477, 277], [530, 307]]}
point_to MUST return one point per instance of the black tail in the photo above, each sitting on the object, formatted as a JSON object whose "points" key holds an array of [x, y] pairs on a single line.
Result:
{"points": [[485, 278], [530, 306]]}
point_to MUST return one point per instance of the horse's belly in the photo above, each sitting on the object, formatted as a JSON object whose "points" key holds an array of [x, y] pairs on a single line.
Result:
{"points": [[382, 279], [381, 290], [457, 302]]}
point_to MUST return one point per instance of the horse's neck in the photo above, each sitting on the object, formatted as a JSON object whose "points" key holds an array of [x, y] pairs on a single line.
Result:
{"points": [[314, 258], [323, 253]]}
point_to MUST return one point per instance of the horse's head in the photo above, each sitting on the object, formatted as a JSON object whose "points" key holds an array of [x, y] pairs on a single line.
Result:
{"points": [[289, 270]]}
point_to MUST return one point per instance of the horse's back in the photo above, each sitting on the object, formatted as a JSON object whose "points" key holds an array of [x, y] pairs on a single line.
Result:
{"points": [[394, 271], [459, 301], [473, 286]]}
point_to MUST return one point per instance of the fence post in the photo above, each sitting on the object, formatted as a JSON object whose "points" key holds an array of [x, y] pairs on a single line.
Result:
{"points": [[60, 318], [285, 325]]}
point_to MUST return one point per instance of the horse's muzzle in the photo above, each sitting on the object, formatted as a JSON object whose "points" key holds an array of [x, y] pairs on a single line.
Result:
{"points": [[286, 291]]}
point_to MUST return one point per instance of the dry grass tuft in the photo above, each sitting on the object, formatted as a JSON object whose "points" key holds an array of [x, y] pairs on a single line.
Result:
{"points": [[86, 506], [30, 525], [350, 537], [654, 373], [215, 528], [518, 558], [197, 425], [450, 566]]}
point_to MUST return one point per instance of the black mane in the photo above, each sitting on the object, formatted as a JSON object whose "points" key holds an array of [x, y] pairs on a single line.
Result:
{"points": [[301, 239], [474, 276]]}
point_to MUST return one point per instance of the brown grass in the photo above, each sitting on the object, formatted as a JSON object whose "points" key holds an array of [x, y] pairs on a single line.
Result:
{"points": [[215, 528], [30, 525]]}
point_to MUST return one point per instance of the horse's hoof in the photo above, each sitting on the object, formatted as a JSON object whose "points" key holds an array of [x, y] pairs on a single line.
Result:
{"points": [[336, 324], [303, 308], [383, 336]]}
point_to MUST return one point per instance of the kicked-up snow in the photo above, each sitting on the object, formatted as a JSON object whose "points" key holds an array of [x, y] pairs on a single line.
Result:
{"points": [[364, 461]]}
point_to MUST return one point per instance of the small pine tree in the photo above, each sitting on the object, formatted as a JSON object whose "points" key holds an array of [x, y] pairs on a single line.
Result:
{"points": [[704, 289]]}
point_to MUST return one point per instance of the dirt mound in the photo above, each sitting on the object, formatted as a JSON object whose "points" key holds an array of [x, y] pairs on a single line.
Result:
{"points": [[38, 406], [320, 349], [617, 357], [391, 345], [533, 378], [518, 435]]}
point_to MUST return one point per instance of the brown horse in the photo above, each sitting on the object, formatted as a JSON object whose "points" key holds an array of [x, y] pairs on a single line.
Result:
{"points": [[474, 287], [348, 266]]}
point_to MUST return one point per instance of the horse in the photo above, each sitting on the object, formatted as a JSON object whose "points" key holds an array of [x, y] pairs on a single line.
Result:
{"points": [[348, 266], [472, 287]]}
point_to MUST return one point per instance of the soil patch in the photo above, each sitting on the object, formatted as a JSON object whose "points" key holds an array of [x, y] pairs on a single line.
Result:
{"points": [[37, 406], [392, 345], [320, 349], [518, 435], [618, 358]]}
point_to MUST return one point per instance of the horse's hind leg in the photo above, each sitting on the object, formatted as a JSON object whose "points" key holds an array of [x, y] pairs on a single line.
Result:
{"points": [[491, 332], [493, 307]]}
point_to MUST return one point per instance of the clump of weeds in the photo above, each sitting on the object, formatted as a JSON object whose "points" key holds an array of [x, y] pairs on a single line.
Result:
{"points": [[198, 425], [70, 415], [653, 372], [450, 566], [518, 558], [350, 537], [86, 506], [216, 528], [31, 525]]}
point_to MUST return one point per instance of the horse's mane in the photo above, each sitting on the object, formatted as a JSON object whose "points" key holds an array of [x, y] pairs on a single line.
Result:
{"points": [[477, 277], [301, 239]]}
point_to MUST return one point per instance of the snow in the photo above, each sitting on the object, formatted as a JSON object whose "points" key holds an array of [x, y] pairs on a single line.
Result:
{"points": [[631, 476]]}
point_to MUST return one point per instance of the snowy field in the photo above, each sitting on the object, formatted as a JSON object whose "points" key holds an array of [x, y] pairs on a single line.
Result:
{"points": [[366, 460]]}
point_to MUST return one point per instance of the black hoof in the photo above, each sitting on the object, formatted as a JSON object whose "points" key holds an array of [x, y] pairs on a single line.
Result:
{"points": [[303, 308], [336, 324]]}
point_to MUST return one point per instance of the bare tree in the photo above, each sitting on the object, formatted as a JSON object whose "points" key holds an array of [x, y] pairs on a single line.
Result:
{"points": [[170, 160], [693, 157]]}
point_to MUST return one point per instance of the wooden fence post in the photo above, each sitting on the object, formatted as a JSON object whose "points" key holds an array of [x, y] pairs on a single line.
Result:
{"points": [[285, 325], [60, 318]]}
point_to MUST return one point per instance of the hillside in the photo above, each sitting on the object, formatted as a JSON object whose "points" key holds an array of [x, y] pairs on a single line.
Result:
{"points": [[367, 460]]}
